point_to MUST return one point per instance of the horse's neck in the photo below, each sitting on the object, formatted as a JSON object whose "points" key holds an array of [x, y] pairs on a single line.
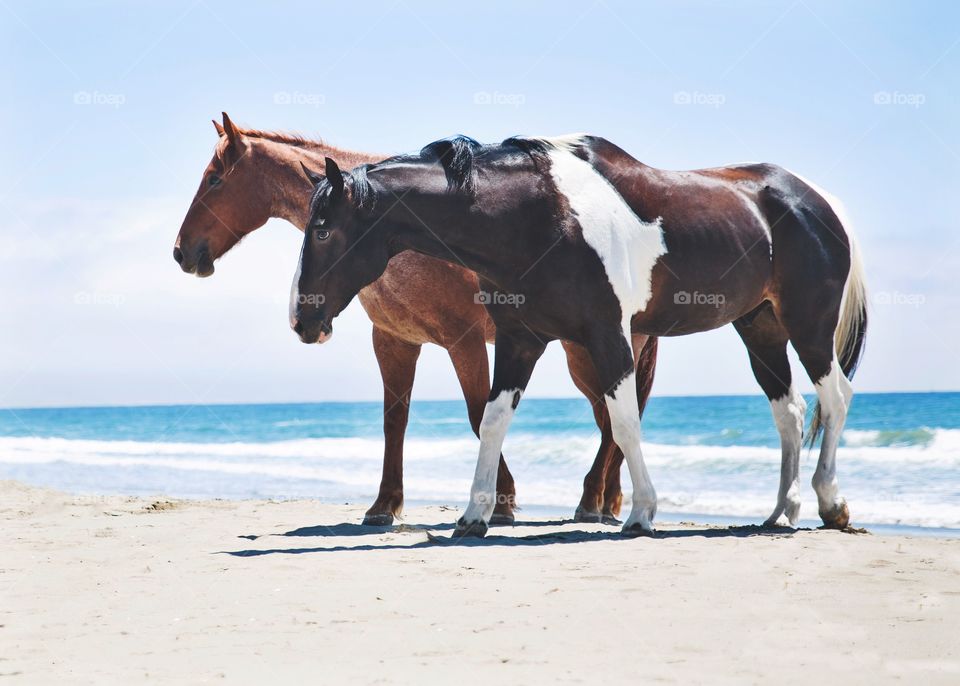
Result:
{"points": [[292, 189]]}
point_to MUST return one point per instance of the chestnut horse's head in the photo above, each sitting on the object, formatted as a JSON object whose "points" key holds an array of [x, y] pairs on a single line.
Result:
{"points": [[231, 202], [344, 249]]}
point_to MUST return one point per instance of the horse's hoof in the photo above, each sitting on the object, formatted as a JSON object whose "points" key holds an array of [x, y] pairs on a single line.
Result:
{"points": [[379, 519], [636, 530], [466, 529], [497, 519], [611, 520], [838, 518], [586, 516]]}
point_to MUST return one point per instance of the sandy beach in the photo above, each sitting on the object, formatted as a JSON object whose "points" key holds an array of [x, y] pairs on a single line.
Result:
{"points": [[114, 589]]}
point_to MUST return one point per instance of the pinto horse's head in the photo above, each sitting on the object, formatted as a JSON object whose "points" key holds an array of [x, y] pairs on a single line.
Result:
{"points": [[231, 202], [343, 251]]}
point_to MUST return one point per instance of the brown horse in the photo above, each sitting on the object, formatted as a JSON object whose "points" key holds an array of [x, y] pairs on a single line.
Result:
{"points": [[605, 249], [256, 175]]}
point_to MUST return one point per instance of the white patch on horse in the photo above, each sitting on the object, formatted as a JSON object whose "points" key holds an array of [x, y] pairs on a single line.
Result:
{"points": [[497, 416], [628, 247], [788, 413], [569, 141]]}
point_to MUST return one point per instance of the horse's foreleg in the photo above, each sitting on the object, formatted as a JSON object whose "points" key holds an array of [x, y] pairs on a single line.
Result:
{"points": [[614, 361], [398, 365], [514, 360], [645, 362], [469, 357]]}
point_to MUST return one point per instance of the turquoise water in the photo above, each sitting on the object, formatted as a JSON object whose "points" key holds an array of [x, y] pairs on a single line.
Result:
{"points": [[899, 463]]}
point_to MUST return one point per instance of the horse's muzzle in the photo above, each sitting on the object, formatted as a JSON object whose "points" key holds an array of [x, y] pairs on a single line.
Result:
{"points": [[200, 264], [312, 332]]}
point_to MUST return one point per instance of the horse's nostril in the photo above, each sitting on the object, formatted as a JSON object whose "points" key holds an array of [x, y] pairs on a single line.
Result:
{"points": [[298, 327], [178, 255]]}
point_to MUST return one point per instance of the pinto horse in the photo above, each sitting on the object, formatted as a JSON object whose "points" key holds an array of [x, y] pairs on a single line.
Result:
{"points": [[604, 250], [256, 175]]}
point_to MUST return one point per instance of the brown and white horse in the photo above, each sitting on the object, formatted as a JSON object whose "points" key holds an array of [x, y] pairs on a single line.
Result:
{"points": [[256, 175], [604, 250]]}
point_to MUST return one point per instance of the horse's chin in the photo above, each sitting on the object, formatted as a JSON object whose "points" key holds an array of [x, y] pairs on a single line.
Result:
{"points": [[204, 270]]}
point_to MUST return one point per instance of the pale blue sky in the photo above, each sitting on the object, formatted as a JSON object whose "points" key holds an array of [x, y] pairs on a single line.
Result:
{"points": [[106, 113]]}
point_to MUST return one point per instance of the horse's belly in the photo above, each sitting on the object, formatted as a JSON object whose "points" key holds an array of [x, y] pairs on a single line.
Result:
{"points": [[688, 298]]}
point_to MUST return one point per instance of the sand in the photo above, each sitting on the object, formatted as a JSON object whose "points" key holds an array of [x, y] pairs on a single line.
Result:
{"points": [[120, 590]]}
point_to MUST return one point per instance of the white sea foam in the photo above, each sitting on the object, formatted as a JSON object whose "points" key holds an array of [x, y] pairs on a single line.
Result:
{"points": [[913, 484]]}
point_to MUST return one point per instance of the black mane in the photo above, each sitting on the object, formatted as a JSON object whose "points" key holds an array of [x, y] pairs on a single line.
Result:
{"points": [[455, 155]]}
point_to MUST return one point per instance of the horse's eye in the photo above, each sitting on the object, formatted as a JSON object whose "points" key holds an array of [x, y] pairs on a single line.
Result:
{"points": [[214, 180], [322, 234]]}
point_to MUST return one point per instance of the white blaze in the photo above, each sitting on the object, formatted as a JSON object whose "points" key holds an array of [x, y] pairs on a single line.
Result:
{"points": [[295, 294]]}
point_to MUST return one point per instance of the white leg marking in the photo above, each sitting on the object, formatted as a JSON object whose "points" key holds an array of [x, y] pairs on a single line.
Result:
{"points": [[497, 416], [788, 413], [628, 247], [835, 393], [625, 423]]}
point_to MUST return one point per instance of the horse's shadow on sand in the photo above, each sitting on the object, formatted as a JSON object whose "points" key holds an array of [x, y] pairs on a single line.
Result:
{"points": [[493, 538]]}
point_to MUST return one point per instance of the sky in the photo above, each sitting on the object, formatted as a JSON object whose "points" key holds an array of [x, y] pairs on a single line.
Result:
{"points": [[106, 131]]}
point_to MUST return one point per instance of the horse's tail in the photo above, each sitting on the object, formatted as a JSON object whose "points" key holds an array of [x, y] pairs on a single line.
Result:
{"points": [[851, 332]]}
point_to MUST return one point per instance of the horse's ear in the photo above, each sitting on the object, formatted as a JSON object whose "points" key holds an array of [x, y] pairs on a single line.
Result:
{"points": [[314, 177], [219, 128], [334, 175], [233, 133]]}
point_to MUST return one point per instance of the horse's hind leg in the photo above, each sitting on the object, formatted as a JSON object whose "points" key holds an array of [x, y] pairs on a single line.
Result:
{"points": [[766, 341], [834, 393], [810, 318], [469, 357], [398, 365]]}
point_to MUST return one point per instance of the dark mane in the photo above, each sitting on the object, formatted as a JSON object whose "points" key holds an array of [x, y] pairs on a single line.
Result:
{"points": [[356, 181], [456, 156]]}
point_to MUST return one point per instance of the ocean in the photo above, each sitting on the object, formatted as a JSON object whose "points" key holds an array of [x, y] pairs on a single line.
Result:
{"points": [[714, 457]]}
